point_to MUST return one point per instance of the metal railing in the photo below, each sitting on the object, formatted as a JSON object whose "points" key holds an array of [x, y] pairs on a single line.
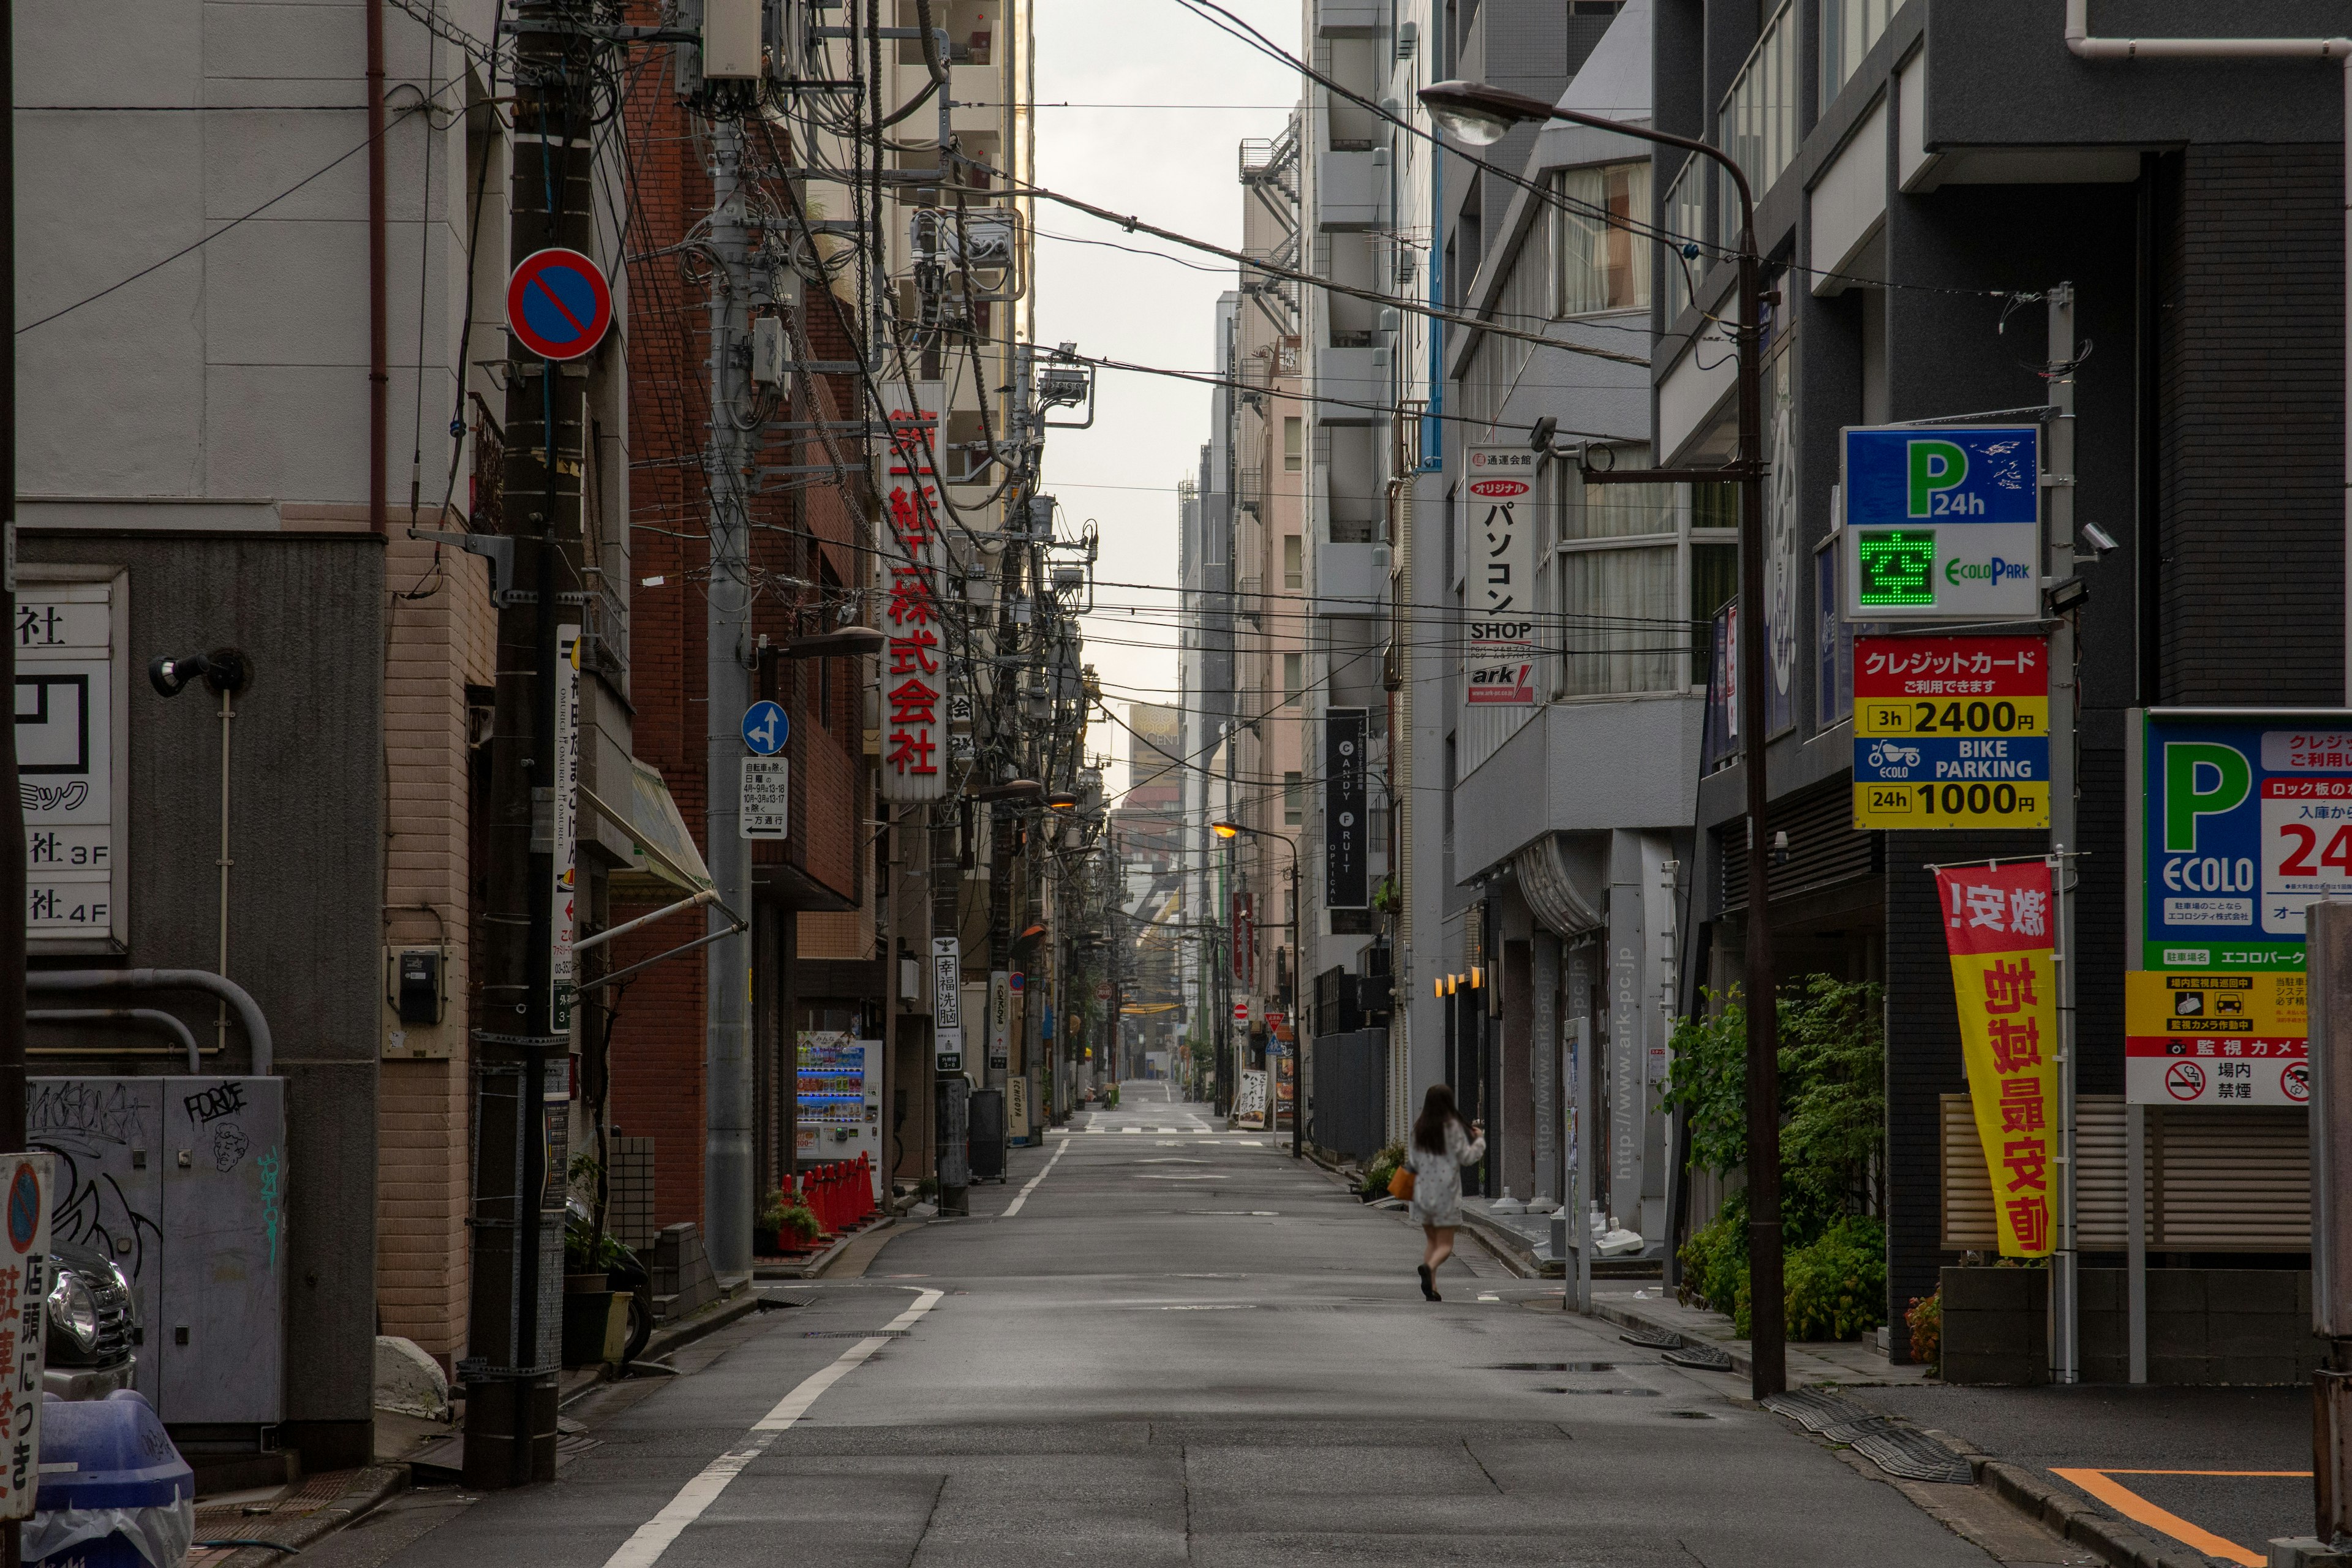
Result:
{"points": [[1757, 125]]}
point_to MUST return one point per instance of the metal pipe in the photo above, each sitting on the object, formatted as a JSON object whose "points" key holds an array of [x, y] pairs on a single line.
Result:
{"points": [[153, 1018], [248, 1012], [227, 718], [708, 896], [378, 366]]}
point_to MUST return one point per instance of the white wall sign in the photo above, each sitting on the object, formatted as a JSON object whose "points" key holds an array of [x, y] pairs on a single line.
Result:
{"points": [[946, 983], [72, 749], [564, 969], [1498, 515], [767, 799], [23, 1286]]}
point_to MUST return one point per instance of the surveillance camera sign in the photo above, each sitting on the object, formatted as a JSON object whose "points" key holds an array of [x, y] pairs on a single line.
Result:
{"points": [[1499, 511]]}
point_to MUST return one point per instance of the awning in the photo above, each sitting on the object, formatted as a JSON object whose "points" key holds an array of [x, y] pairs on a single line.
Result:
{"points": [[666, 861]]}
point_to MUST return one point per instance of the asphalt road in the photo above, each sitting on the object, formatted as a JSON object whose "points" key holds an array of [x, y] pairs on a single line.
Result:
{"points": [[1160, 1344]]}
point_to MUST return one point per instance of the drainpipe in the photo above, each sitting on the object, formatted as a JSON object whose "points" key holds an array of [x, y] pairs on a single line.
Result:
{"points": [[248, 1012], [378, 376], [2082, 45]]}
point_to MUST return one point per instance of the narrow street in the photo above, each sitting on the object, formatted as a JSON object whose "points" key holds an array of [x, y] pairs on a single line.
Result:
{"points": [[1182, 1348]]}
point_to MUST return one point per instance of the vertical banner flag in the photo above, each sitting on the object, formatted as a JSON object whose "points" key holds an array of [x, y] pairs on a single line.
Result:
{"points": [[1499, 514], [24, 1291], [1997, 928], [915, 679]]}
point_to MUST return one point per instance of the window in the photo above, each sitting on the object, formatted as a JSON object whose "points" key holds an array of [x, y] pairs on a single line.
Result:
{"points": [[1603, 266], [1294, 562], [1619, 571], [1293, 799], [1293, 443], [1848, 30], [1714, 583], [1294, 668], [1757, 125]]}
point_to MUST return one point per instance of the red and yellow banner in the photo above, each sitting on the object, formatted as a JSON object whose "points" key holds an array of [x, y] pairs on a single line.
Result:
{"points": [[1997, 926]]}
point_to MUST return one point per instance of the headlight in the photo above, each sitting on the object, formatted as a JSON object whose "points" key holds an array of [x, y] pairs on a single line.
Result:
{"points": [[73, 1309]]}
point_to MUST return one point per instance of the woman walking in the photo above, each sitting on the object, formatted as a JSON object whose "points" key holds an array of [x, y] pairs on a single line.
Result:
{"points": [[1441, 1145]]}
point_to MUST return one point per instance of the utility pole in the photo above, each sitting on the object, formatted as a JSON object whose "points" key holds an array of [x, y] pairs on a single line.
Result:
{"points": [[13, 912], [516, 1325], [730, 1179], [2065, 1317]]}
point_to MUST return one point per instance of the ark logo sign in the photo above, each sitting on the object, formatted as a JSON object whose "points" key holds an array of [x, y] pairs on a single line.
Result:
{"points": [[2244, 822]]}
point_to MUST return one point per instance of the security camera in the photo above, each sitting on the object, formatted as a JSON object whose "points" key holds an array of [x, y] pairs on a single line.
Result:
{"points": [[2098, 539], [1539, 438]]}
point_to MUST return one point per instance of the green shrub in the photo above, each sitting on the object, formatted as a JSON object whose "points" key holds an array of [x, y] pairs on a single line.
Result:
{"points": [[1382, 1170], [1836, 1286], [789, 1219], [1715, 1261]]}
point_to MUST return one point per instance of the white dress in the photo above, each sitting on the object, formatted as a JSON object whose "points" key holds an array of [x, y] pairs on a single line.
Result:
{"points": [[1438, 1178]]}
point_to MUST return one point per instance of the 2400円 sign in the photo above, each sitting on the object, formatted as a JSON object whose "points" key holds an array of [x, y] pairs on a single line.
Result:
{"points": [[1951, 732]]}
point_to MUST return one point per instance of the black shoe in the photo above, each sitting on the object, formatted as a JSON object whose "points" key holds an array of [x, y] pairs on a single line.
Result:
{"points": [[1428, 1283]]}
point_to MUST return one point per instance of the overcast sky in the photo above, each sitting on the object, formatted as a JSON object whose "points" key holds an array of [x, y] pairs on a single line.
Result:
{"points": [[1159, 101]]}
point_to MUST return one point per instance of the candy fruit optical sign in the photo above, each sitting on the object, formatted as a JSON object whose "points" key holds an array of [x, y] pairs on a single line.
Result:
{"points": [[1942, 524], [1951, 732]]}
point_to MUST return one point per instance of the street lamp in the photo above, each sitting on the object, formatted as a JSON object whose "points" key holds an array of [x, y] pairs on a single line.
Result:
{"points": [[1297, 1057], [1481, 114]]}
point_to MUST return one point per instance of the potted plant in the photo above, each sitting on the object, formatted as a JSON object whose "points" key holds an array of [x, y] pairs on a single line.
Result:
{"points": [[786, 1226]]}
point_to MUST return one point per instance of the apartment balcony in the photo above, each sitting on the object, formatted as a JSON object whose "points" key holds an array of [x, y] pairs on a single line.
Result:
{"points": [[1351, 189], [1351, 579], [1249, 490], [1359, 378], [1337, 18]]}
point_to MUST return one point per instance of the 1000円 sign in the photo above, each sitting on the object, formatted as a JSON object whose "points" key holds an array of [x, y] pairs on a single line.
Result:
{"points": [[1951, 732]]}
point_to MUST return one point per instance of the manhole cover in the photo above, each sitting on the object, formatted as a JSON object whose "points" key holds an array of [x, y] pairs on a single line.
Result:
{"points": [[1628, 1393], [1690, 1414], [1552, 1366]]}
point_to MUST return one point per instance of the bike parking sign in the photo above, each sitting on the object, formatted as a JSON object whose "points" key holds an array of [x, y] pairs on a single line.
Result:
{"points": [[1951, 732]]}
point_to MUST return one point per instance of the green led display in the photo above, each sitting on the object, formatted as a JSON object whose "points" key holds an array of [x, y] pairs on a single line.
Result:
{"points": [[1898, 566]]}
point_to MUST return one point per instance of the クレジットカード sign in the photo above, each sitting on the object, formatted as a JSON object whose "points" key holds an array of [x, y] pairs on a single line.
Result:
{"points": [[1951, 732], [2236, 821], [1942, 524], [1997, 928], [1498, 513]]}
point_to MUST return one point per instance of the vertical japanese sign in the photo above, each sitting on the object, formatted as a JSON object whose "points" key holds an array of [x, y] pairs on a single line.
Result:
{"points": [[564, 969], [23, 1288], [70, 745], [1499, 514], [1951, 732], [1346, 842], [1997, 928], [2198, 1037], [947, 1002], [914, 679], [999, 1020]]}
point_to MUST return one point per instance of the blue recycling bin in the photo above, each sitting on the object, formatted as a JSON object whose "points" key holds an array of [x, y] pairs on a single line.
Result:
{"points": [[114, 1492]]}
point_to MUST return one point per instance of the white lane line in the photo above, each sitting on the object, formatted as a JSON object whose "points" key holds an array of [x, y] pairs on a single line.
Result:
{"points": [[1022, 1196], [1130, 1130], [653, 1538]]}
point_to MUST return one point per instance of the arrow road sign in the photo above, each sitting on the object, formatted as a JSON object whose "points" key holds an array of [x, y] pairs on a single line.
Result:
{"points": [[558, 306], [765, 728]]}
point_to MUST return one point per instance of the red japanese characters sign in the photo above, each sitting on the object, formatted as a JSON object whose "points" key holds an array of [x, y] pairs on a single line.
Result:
{"points": [[1997, 928], [2011, 667], [914, 669]]}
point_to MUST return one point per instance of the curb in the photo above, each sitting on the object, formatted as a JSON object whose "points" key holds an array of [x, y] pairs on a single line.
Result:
{"points": [[708, 1320], [1625, 1318], [816, 1263], [369, 1489], [2117, 1544]]}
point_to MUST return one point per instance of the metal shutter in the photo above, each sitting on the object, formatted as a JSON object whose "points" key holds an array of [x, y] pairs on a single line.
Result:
{"points": [[2220, 1180]]}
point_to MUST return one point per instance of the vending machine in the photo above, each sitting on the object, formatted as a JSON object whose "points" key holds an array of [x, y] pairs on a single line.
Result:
{"points": [[840, 1114]]}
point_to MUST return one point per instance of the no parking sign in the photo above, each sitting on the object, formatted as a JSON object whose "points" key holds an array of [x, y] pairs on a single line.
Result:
{"points": [[558, 306]]}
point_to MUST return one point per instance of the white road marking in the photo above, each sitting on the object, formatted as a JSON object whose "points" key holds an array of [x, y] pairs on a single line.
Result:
{"points": [[1165, 1130], [1130, 1130], [1022, 1196], [653, 1538]]}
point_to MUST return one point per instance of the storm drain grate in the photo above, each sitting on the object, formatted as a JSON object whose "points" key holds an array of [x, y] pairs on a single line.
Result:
{"points": [[1705, 1358], [1627, 1393], [1901, 1451], [1689, 1414], [1652, 1339], [1553, 1366]]}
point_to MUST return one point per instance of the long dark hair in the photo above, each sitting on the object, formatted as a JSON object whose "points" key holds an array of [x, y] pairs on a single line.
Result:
{"points": [[1436, 1110]]}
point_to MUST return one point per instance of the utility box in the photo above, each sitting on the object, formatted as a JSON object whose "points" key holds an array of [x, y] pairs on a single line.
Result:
{"points": [[183, 1182]]}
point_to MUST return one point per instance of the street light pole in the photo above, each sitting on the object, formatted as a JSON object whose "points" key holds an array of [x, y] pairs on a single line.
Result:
{"points": [[1480, 115], [1298, 1062]]}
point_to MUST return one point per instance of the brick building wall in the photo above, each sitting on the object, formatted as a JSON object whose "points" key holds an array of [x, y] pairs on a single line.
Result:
{"points": [[806, 558], [441, 640]]}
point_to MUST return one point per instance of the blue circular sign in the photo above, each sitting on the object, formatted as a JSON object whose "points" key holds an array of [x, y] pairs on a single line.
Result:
{"points": [[765, 728], [558, 306], [24, 1208]]}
